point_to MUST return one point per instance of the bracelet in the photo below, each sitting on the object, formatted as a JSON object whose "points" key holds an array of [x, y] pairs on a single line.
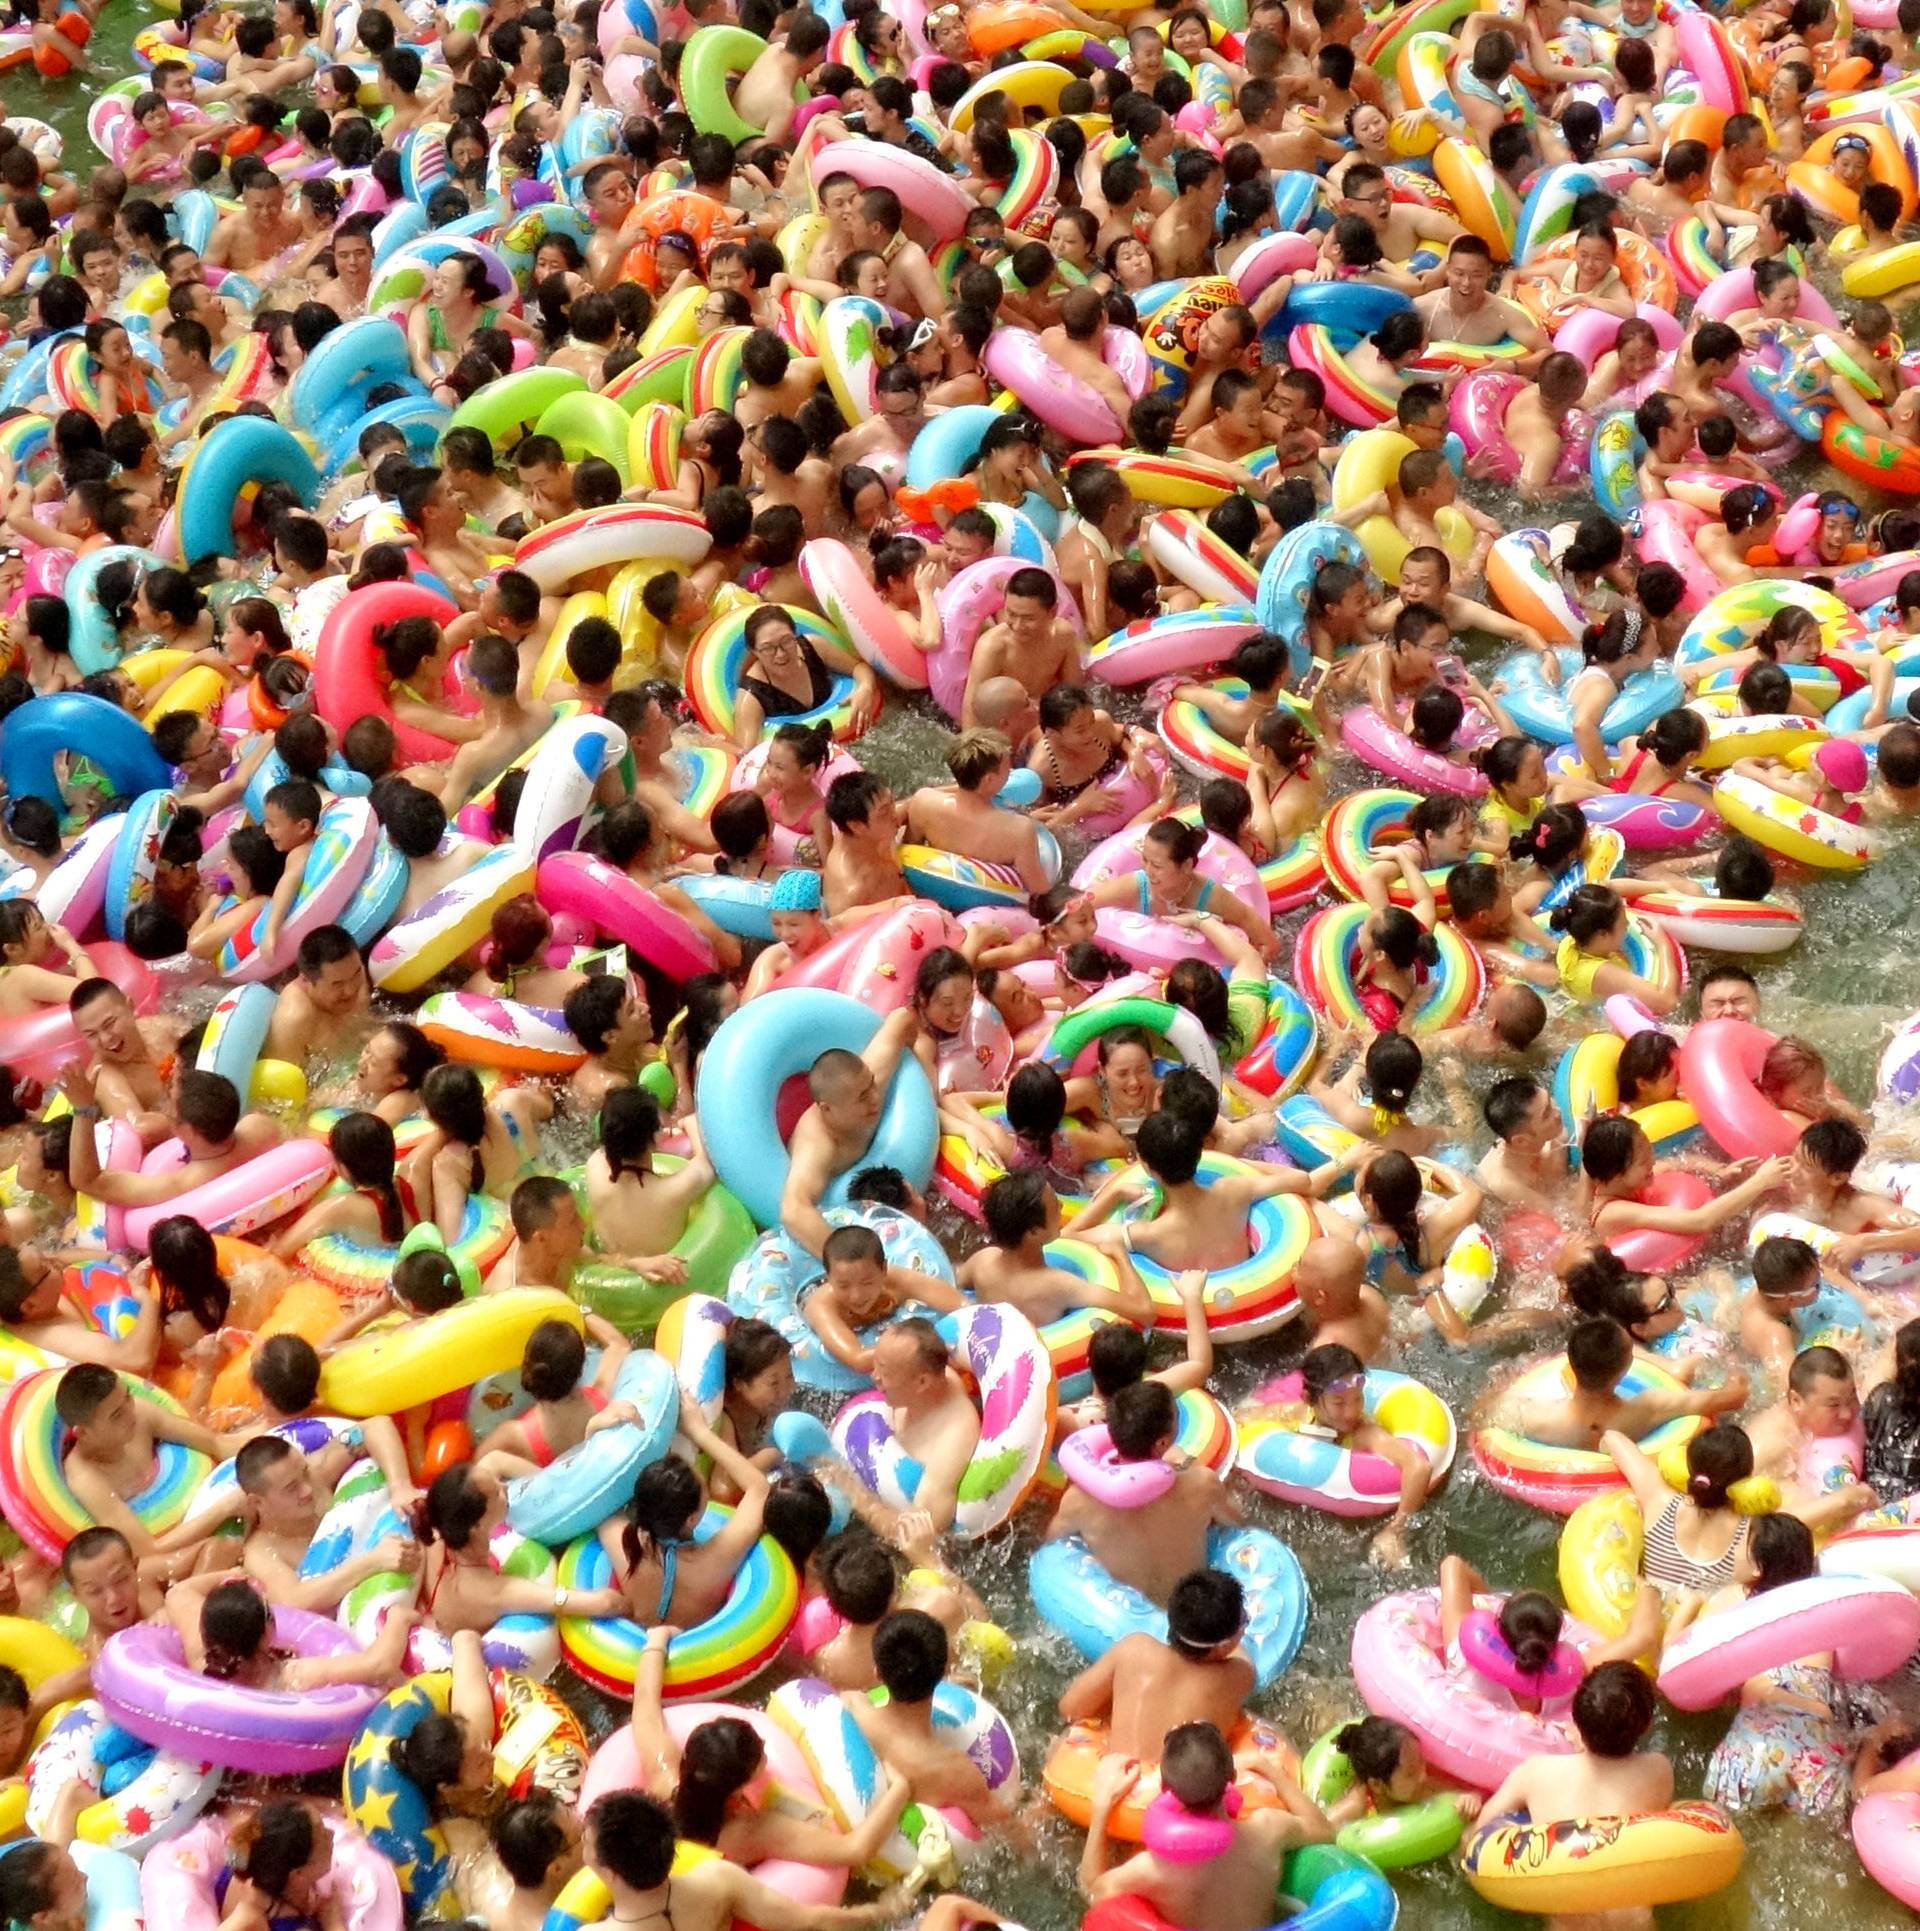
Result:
{"points": [[85, 1112], [560, 1601]]}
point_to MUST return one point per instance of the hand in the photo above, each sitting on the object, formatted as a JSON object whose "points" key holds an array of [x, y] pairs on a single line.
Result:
{"points": [[1113, 1777], [1192, 1287], [398, 1552], [1775, 1171], [666, 1267], [913, 1529], [1468, 1803], [1390, 1548], [660, 1635]]}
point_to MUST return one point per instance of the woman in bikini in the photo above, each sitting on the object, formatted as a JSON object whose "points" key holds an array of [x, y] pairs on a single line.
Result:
{"points": [[667, 1577], [514, 958], [376, 1210], [476, 1145], [460, 1587]]}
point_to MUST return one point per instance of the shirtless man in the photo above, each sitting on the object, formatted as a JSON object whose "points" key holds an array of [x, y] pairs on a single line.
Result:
{"points": [[508, 725], [1196, 1226], [1074, 343], [765, 95], [1004, 704], [109, 1455], [1821, 1403], [863, 868], [1142, 1688], [548, 1236], [116, 1590], [249, 242], [777, 381], [210, 1125], [1182, 236], [1031, 641], [839, 196], [1364, 191], [608, 191], [1331, 1282], [290, 1492], [832, 1136], [321, 1006], [962, 817], [1599, 1353], [1461, 310], [346, 293], [1527, 1164], [1151, 1547], [610, 1017], [1609, 1776], [910, 1653], [132, 1058], [1233, 1891], [1022, 1215], [1536, 419], [35, 1308], [936, 1424]]}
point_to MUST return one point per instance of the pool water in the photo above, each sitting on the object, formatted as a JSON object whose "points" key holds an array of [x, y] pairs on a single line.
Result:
{"points": [[1850, 980]]}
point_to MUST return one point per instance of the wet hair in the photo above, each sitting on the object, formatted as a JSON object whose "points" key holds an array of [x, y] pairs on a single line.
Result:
{"points": [[1717, 1458], [527, 1835], [666, 1498], [1390, 1187], [273, 1843], [286, 1370], [1613, 1708], [1141, 1418], [1373, 1746], [1530, 1623], [1197, 1765], [717, 1761], [1205, 1609], [1599, 1352], [1780, 1547], [234, 1621], [186, 1267]]}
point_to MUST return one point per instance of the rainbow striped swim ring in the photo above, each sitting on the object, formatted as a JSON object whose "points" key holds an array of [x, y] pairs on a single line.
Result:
{"points": [[712, 675], [1293, 876], [964, 1175], [1560, 1479], [1359, 829], [1280, 1062], [731, 1647], [34, 1495], [1326, 953], [1255, 1296], [362, 1267]]}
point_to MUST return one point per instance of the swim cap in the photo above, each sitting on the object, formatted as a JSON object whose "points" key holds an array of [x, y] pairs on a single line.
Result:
{"points": [[796, 891], [1843, 764]]}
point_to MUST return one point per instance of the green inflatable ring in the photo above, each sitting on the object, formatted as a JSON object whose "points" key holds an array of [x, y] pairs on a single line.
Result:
{"points": [[589, 425], [509, 408], [1390, 1839], [1081, 1027], [714, 56], [719, 1231]]}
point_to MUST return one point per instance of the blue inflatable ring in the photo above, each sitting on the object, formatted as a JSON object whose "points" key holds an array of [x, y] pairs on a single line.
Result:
{"points": [[769, 1041]]}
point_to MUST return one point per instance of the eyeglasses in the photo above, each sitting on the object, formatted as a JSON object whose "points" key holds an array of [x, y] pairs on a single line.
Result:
{"points": [[1350, 1384], [1664, 1305], [777, 645]]}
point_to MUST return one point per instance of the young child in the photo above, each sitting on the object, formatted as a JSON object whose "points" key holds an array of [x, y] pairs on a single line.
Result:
{"points": [[566, 1409], [1390, 1772], [1333, 1380], [1022, 1215], [861, 1289], [289, 817], [1598, 1357]]}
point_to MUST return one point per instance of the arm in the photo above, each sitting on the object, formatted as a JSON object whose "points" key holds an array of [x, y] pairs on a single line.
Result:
{"points": [[1090, 1695], [1196, 1370]]}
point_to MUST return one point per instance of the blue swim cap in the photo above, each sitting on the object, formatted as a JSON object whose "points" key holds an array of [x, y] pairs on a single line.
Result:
{"points": [[796, 891]]}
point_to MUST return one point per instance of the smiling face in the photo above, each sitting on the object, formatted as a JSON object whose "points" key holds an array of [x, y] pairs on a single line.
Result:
{"points": [[341, 987], [107, 1587]]}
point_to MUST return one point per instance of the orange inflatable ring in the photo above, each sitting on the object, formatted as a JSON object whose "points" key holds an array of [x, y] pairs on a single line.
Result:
{"points": [[1812, 177], [48, 61], [1643, 267], [1002, 24], [264, 712], [684, 211], [1701, 123]]}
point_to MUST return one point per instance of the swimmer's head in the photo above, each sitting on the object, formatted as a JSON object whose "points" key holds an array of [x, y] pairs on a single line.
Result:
{"points": [[1517, 1014], [1329, 1278]]}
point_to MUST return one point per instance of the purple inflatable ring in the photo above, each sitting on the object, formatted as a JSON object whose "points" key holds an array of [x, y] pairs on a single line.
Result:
{"points": [[143, 1683]]}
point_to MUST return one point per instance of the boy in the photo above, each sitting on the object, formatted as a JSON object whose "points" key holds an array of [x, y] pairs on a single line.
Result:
{"points": [[1233, 1891], [1151, 1547], [1022, 1215], [1599, 1353], [860, 1289], [1426, 486], [289, 817]]}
